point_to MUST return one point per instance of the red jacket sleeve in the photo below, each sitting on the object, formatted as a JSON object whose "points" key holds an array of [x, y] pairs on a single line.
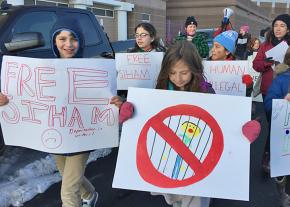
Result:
{"points": [[259, 63]]}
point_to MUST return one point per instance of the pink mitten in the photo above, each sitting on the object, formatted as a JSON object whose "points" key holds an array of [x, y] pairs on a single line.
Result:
{"points": [[126, 111], [251, 130]]}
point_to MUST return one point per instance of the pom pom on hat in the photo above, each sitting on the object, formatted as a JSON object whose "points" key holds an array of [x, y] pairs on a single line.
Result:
{"points": [[228, 40]]}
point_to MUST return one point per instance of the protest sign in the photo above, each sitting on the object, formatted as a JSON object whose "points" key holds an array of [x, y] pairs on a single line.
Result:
{"points": [[138, 69], [226, 76], [280, 138], [59, 105], [185, 143]]}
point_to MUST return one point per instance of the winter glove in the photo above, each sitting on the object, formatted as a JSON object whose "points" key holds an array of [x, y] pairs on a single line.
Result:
{"points": [[269, 60], [251, 130], [248, 80], [126, 112]]}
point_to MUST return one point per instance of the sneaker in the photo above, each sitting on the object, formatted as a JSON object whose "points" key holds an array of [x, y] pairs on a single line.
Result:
{"points": [[285, 200], [92, 202], [280, 184]]}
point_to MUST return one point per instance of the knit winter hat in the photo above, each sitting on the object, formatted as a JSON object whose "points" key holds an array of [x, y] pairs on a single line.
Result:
{"points": [[246, 28], [284, 18], [190, 20], [228, 40]]}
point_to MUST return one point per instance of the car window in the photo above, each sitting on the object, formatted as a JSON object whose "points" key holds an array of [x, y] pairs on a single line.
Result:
{"points": [[36, 22], [91, 35]]}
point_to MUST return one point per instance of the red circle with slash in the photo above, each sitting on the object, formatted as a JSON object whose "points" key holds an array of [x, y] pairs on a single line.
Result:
{"points": [[146, 168]]}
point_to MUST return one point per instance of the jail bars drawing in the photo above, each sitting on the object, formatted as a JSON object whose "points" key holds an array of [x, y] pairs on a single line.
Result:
{"points": [[193, 132]]}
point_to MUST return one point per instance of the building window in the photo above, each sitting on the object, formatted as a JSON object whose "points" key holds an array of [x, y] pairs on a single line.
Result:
{"points": [[62, 5], [45, 3], [29, 2], [145, 17], [102, 12], [109, 13], [99, 12]]}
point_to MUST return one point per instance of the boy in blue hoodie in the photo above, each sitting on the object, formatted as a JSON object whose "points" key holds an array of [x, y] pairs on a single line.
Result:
{"points": [[76, 190]]}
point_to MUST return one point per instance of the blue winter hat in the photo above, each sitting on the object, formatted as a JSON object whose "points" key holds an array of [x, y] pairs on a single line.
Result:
{"points": [[228, 40]]}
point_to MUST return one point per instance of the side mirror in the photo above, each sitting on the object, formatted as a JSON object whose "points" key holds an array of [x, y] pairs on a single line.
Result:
{"points": [[24, 41]]}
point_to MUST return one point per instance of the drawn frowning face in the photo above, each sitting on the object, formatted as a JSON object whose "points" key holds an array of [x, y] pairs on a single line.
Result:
{"points": [[51, 139]]}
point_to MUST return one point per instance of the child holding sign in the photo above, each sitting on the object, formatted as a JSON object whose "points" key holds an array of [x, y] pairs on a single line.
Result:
{"points": [[67, 41], [182, 70], [279, 89], [76, 190]]}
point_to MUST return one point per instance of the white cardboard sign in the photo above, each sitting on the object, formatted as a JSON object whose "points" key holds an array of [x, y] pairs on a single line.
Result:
{"points": [[226, 76], [280, 138], [278, 52], [59, 105], [185, 143], [138, 69]]}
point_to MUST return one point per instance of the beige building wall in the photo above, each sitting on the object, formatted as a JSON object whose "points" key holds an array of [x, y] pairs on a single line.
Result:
{"points": [[209, 14], [156, 9], [109, 23]]}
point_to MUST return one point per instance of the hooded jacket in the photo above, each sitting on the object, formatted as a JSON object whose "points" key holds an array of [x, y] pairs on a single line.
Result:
{"points": [[71, 25], [280, 86]]}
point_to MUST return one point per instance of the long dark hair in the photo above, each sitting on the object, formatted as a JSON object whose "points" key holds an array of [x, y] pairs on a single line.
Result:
{"points": [[152, 32], [186, 52]]}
